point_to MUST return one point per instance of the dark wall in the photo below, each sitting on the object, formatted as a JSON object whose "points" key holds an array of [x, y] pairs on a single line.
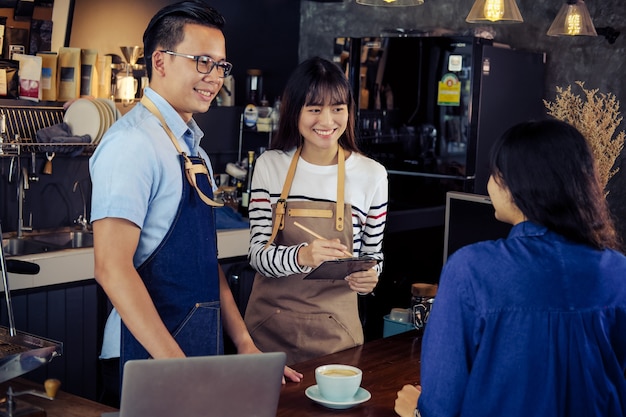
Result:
{"points": [[588, 59], [261, 34], [569, 59]]}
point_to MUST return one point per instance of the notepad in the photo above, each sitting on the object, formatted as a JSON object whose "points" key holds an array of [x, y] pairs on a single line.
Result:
{"points": [[341, 268]]}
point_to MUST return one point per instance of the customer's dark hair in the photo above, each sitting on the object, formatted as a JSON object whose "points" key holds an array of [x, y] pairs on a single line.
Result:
{"points": [[315, 81], [166, 28], [549, 169]]}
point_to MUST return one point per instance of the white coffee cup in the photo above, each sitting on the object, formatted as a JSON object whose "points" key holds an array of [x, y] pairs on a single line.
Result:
{"points": [[338, 383]]}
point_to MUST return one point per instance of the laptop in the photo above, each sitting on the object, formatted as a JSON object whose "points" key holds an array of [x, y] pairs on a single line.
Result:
{"points": [[204, 386]]}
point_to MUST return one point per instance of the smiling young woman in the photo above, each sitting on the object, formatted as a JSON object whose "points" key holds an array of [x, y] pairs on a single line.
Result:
{"points": [[313, 176]]}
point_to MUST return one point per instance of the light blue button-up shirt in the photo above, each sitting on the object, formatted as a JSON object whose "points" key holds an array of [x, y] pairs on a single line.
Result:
{"points": [[136, 175]]}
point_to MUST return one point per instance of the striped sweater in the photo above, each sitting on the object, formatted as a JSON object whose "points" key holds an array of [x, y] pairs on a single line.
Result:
{"points": [[365, 190]]}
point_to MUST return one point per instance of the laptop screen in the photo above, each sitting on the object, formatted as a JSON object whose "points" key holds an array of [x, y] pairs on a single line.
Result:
{"points": [[205, 386], [469, 219]]}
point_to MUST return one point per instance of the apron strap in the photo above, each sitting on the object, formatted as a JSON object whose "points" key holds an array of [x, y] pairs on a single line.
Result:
{"points": [[281, 204], [191, 169], [341, 179]]}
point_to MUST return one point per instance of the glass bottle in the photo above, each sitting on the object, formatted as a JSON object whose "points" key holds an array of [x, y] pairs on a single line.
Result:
{"points": [[364, 95], [3, 132], [276, 114], [245, 195], [254, 87]]}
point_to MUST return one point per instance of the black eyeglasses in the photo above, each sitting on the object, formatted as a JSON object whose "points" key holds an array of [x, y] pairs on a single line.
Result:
{"points": [[205, 64]]}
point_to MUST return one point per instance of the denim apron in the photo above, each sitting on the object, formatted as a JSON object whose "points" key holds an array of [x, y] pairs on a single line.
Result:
{"points": [[306, 318], [181, 275]]}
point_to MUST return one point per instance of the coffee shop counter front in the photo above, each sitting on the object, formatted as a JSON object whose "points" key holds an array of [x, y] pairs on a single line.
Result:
{"points": [[387, 365], [72, 265]]}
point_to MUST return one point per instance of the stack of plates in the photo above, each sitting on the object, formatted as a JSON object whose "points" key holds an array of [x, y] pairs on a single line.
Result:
{"points": [[91, 117]]}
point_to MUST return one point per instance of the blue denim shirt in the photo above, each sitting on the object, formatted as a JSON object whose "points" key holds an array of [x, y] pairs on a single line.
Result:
{"points": [[531, 325]]}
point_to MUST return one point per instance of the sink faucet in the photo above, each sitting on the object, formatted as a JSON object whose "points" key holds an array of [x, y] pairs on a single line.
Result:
{"points": [[24, 180], [82, 219]]}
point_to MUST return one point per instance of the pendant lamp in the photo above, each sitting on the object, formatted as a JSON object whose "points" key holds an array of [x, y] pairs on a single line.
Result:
{"points": [[495, 11], [572, 20], [390, 3]]}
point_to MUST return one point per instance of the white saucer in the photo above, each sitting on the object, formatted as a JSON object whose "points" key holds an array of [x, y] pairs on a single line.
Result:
{"points": [[361, 396]]}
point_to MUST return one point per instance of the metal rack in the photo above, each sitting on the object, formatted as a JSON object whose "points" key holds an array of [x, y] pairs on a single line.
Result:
{"points": [[26, 145], [23, 122]]}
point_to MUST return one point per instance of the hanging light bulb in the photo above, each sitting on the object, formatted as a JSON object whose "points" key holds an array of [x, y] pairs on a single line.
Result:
{"points": [[390, 3], [573, 23], [495, 11], [572, 20]]}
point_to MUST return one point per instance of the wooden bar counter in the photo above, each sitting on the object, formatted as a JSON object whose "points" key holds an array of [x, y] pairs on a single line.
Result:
{"points": [[64, 405], [387, 365]]}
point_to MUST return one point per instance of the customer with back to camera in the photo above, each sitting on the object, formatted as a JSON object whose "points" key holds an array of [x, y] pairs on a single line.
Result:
{"points": [[154, 232], [309, 318], [534, 324]]}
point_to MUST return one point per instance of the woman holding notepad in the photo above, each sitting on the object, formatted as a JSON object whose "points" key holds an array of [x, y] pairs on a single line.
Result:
{"points": [[315, 198]]}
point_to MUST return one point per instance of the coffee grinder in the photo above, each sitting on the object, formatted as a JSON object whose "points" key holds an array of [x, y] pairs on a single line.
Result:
{"points": [[126, 83]]}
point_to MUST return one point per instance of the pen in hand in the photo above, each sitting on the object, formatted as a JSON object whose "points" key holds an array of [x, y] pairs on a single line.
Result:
{"points": [[312, 233]]}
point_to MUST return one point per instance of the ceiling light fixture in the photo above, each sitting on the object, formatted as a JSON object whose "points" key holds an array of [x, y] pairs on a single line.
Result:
{"points": [[495, 11], [572, 20], [390, 3]]}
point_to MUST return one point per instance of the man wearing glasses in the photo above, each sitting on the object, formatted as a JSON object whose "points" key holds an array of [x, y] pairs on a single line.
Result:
{"points": [[152, 209]]}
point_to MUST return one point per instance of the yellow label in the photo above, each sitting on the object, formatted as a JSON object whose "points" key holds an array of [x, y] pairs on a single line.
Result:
{"points": [[449, 91]]}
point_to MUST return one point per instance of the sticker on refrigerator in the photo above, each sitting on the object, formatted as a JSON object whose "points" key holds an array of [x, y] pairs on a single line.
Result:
{"points": [[455, 63], [449, 91]]}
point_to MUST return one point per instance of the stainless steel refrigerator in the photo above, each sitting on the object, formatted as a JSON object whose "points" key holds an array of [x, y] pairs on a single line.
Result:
{"points": [[430, 107]]}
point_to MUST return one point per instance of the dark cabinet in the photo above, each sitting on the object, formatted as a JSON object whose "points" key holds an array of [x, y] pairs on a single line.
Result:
{"points": [[71, 314]]}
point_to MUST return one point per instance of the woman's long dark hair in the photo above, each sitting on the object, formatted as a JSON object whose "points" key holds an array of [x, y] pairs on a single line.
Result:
{"points": [[550, 171], [315, 81]]}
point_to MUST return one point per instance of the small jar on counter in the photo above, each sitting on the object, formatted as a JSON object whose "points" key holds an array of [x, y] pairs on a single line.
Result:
{"points": [[423, 296]]}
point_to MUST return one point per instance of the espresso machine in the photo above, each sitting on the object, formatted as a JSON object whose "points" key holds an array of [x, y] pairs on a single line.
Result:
{"points": [[22, 352]]}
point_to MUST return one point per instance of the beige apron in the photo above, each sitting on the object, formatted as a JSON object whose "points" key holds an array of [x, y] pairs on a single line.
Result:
{"points": [[306, 318]]}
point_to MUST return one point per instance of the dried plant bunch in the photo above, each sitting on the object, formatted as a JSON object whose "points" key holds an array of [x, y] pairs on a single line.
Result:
{"points": [[597, 117]]}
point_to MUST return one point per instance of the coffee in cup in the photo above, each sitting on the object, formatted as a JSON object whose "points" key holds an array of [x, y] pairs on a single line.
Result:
{"points": [[338, 383]]}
